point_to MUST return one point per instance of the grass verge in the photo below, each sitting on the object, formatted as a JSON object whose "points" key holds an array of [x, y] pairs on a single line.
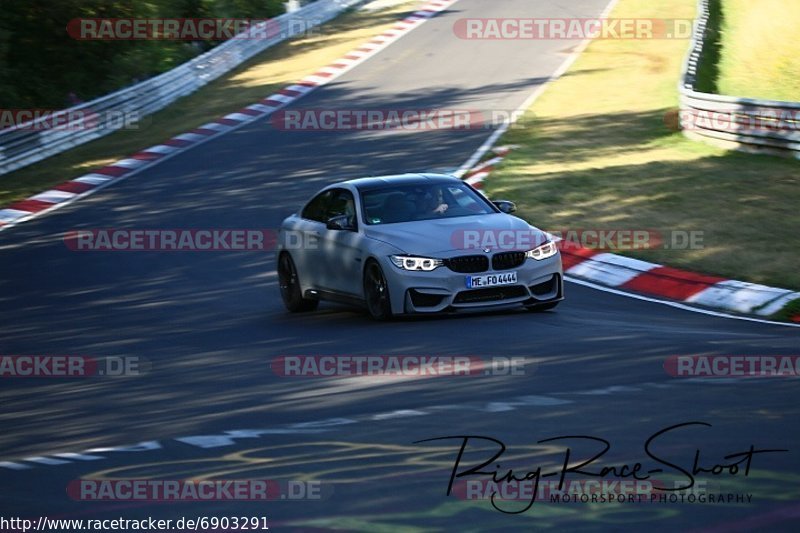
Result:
{"points": [[597, 152], [273, 69], [760, 49]]}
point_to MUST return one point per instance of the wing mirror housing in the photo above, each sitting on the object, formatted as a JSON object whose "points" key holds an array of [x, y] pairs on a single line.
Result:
{"points": [[340, 223], [505, 206]]}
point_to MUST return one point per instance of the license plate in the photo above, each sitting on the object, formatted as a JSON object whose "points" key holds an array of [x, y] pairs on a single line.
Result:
{"points": [[491, 280]]}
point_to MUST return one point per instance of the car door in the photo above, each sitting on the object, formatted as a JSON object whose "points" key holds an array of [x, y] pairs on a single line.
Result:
{"points": [[304, 242], [341, 256]]}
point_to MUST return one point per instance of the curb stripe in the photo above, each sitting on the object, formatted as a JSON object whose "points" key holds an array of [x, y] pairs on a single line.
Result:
{"points": [[9, 215], [30, 206], [54, 196], [609, 269], [236, 116], [130, 163], [74, 186], [572, 257], [214, 126], [190, 137], [112, 171], [630, 274], [162, 149], [671, 283], [282, 98], [737, 296], [177, 143], [146, 156], [92, 179]]}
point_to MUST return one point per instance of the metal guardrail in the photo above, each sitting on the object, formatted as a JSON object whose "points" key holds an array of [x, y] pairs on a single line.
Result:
{"points": [[746, 124], [33, 141]]}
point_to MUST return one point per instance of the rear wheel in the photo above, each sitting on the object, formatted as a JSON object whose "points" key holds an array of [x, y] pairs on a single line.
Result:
{"points": [[376, 292], [290, 287]]}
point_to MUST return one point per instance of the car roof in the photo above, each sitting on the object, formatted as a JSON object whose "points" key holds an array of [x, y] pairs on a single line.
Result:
{"points": [[381, 182]]}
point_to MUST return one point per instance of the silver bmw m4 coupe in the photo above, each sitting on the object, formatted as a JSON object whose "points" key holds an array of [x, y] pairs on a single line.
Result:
{"points": [[414, 243]]}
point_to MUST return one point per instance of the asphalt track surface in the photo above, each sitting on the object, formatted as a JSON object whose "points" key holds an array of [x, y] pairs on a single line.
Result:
{"points": [[209, 324]]}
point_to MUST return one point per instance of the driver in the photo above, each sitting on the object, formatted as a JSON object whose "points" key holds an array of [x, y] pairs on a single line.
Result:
{"points": [[432, 202]]}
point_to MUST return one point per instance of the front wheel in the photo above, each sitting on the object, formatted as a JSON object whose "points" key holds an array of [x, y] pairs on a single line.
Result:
{"points": [[290, 287], [376, 292]]}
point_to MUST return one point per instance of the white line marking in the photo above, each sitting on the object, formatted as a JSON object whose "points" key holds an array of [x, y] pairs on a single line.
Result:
{"points": [[402, 413], [46, 461], [493, 138], [78, 456], [14, 466]]}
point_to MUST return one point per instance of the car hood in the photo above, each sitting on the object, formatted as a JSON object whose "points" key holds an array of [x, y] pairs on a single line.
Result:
{"points": [[459, 234]]}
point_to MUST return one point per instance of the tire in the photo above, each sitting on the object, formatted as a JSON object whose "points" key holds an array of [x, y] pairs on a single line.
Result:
{"points": [[289, 284], [376, 292], [541, 308]]}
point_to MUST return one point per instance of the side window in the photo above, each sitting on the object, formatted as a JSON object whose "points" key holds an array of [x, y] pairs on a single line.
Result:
{"points": [[316, 208], [342, 204]]}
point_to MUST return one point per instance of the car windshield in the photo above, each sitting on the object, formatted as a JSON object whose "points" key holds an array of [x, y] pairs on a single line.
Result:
{"points": [[407, 203]]}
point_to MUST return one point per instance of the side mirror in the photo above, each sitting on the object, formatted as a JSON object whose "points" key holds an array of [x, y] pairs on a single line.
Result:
{"points": [[340, 223], [505, 206]]}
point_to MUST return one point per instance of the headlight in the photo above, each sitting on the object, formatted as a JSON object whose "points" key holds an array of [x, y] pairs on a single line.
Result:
{"points": [[548, 249], [407, 262]]}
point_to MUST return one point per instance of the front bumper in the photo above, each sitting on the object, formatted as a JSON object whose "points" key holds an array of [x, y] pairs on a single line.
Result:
{"points": [[538, 283]]}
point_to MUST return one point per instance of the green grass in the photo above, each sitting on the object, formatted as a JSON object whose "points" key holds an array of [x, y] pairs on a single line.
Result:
{"points": [[599, 150], [262, 75], [760, 49], [789, 313]]}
